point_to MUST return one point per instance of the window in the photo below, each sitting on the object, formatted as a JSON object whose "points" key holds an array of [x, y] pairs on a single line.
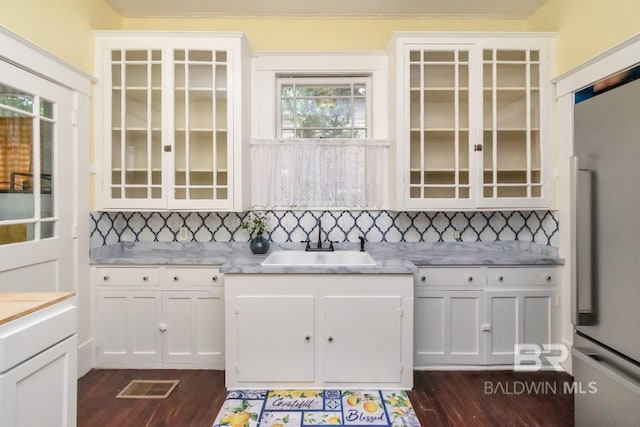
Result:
{"points": [[27, 127], [323, 107]]}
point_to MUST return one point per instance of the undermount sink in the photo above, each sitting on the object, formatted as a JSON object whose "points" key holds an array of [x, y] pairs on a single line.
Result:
{"points": [[320, 259]]}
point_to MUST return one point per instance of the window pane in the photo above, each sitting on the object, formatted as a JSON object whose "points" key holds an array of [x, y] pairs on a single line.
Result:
{"points": [[334, 107], [46, 169], [14, 98]]}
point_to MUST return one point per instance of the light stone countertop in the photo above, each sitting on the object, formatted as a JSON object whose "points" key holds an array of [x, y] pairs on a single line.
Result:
{"points": [[391, 258]]}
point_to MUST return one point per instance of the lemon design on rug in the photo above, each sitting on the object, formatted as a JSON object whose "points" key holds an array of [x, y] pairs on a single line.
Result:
{"points": [[298, 408]]}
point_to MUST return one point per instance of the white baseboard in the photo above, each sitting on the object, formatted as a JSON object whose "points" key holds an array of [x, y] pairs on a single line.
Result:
{"points": [[85, 357]]}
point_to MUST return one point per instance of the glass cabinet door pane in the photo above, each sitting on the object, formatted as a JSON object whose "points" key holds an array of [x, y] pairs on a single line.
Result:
{"points": [[201, 124], [136, 122], [439, 124], [511, 120]]}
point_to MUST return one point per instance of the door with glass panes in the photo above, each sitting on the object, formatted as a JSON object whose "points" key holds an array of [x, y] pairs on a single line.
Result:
{"points": [[36, 186], [440, 125]]}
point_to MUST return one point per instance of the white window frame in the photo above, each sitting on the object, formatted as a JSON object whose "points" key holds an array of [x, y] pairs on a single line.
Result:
{"points": [[325, 81], [268, 66]]}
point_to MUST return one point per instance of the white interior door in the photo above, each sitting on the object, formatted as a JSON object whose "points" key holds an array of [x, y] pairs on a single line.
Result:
{"points": [[36, 188]]}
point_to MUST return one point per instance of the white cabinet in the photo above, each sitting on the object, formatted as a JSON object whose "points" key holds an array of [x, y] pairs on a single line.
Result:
{"points": [[472, 120], [274, 338], [517, 317], [38, 367], [175, 120], [159, 316], [475, 315], [318, 330], [357, 327], [448, 327], [127, 327]]}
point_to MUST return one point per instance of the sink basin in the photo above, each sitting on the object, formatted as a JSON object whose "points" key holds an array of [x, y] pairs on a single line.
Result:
{"points": [[320, 259]]}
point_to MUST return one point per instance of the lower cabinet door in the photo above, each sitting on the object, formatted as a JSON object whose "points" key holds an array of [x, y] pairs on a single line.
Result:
{"points": [[275, 339], [127, 325], [192, 328], [448, 327], [517, 317], [42, 391], [355, 329]]}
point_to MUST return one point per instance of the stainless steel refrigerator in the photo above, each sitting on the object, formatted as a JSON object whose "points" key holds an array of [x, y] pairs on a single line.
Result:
{"points": [[606, 275]]}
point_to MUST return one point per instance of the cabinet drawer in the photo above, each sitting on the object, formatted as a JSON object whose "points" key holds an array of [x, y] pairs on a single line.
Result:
{"points": [[126, 276], [193, 276], [451, 276], [522, 276]]}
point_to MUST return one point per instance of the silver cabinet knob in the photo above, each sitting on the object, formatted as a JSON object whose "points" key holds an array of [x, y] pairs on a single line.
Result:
{"points": [[214, 278], [105, 278], [162, 327]]}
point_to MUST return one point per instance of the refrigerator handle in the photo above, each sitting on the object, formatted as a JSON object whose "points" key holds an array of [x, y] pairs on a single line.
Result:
{"points": [[583, 310]]}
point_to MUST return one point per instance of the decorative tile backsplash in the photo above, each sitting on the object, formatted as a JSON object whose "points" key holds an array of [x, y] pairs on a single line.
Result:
{"points": [[339, 226]]}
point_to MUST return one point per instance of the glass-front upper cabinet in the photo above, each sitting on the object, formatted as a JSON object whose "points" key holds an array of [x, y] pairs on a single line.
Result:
{"points": [[172, 122], [472, 121]]}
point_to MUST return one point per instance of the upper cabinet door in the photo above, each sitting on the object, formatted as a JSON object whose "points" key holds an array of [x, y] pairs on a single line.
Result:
{"points": [[513, 80], [173, 119], [133, 133], [439, 112], [202, 126], [472, 125]]}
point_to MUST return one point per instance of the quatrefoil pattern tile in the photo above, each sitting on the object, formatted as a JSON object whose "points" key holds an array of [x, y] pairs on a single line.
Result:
{"points": [[340, 226]]}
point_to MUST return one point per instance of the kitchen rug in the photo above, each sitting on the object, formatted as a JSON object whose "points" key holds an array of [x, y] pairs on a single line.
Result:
{"points": [[297, 408]]}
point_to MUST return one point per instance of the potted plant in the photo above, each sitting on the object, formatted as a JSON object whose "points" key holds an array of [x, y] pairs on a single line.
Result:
{"points": [[256, 224]]}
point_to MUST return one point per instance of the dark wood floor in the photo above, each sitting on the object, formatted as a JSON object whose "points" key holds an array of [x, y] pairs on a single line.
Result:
{"points": [[460, 398]]}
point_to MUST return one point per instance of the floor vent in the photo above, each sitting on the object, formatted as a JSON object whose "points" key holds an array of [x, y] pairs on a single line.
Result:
{"points": [[148, 389]]}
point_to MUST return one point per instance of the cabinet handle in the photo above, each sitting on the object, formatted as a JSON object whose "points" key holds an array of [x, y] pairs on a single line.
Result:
{"points": [[423, 278], [105, 278], [167, 148], [145, 278], [547, 277], [500, 278], [175, 278], [307, 337], [330, 338], [214, 278], [469, 278], [486, 328], [477, 147], [162, 327]]}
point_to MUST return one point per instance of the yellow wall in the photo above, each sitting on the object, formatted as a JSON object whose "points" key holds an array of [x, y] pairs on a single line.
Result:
{"points": [[586, 28], [289, 34], [63, 27]]}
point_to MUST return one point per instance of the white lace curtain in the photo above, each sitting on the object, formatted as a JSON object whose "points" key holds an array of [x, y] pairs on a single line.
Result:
{"points": [[320, 173]]}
